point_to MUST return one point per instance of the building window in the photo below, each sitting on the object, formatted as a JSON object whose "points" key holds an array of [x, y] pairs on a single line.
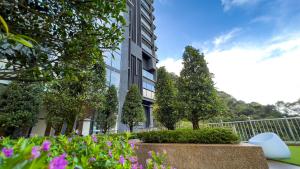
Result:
{"points": [[148, 86], [112, 78], [148, 75]]}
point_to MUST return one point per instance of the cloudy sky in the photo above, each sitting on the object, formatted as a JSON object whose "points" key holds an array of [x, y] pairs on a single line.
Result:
{"points": [[251, 46]]}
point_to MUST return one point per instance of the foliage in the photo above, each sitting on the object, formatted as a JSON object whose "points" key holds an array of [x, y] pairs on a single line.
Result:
{"points": [[200, 136], [196, 89], [106, 118], [239, 110], [69, 99], [133, 111], [19, 106], [89, 152], [166, 111], [71, 37]]}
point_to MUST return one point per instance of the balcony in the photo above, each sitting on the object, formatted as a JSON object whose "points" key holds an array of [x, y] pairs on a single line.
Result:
{"points": [[147, 49], [146, 24], [148, 94], [146, 14], [148, 75], [146, 35]]}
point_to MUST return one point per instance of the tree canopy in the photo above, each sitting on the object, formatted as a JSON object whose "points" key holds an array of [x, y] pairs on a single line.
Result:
{"points": [[166, 107], [133, 111], [106, 117], [70, 35], [19, 107], [196, 88]]}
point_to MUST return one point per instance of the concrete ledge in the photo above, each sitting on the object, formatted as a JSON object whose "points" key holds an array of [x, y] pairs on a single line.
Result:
{"points": [[207, 156]]}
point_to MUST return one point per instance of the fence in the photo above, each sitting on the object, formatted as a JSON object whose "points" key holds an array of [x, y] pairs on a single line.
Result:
{"points": [[287, 128]]}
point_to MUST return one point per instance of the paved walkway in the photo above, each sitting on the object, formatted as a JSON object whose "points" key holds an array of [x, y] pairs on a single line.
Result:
{"points": [[279, 165]]}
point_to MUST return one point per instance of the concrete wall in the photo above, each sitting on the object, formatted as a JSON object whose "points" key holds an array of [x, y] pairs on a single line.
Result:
{"points": [[207, 156]]}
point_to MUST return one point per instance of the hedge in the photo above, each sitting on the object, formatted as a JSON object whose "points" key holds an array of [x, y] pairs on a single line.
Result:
{"points": [[200, 136]]}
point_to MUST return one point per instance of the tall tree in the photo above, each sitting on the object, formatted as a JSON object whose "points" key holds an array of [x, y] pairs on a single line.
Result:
{"points": [[133, 111], [196, 88], [71, 36], [166, 111], [19, 107], [106, 118]]}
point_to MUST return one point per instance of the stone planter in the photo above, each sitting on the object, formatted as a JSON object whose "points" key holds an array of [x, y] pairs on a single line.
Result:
{"points": [[207, 156]]}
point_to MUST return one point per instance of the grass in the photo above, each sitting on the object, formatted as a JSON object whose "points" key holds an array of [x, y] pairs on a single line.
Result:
{"points": [[295, 156]]}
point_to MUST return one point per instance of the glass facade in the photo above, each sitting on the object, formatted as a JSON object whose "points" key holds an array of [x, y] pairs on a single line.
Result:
{"points": [[112, 78], [112, 59], [146, 13], [148, 75], [148, 94], [146, 35], [148, 86], [147, 48], [145, 23]]}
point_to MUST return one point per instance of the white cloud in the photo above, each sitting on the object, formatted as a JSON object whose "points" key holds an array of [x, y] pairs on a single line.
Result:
{"points": [[228, 4], [253, 72], [171, 65], [226, 37]]}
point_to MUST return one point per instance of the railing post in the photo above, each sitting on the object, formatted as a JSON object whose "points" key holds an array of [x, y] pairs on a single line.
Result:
{"points": [[290, 129], [221, 123], [252, 129]]}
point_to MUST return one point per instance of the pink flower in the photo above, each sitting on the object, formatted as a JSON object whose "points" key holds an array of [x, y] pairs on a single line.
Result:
{"points": [[110, 153], [150, 153], [92, 159], [94, 137], [141, 166], [8, 152], [121, 160], [134, 166], [132, 144], [46, 145], [58, 162], [108, 143], [35, 152], [133, 159]]}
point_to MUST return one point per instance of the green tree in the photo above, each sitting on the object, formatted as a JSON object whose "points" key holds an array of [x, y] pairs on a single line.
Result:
{"points": [[166, 111], [71, 37], [133, 111], [196, 88], [106, 118], [71, 100], [19, 107]]}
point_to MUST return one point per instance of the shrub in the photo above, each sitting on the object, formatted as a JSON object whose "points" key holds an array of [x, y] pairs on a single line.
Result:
{"points": [[202, 135], [91, 152]]}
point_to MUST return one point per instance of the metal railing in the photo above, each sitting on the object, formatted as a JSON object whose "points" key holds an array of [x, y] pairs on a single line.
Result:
{"points": [[287, 129]]}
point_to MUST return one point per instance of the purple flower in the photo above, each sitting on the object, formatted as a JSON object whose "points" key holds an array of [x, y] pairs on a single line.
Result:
{"points": [[162, 167], [35, 152], [108, 143], [121, 160], [110, 153], [46, 145], [94, 137], [150, 153], [131, 144], [58, 162], [92, 159], [134, 166], [133, 159], [8, 152], [148, 161], [141, 166]]}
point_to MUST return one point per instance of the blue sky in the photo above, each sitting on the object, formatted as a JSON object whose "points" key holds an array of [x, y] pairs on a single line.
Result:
{"points": [[252, 46]]}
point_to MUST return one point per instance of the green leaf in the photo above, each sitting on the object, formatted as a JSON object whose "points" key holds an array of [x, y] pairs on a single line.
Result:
{"points": [[4, 24], [21, 40]]}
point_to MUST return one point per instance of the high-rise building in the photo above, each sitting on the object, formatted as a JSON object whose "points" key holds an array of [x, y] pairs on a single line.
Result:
{"points": [[135, 62]]}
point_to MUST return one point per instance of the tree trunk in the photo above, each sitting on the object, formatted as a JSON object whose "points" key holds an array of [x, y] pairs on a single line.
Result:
{"points": [[195, 124], [131, 129]]}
